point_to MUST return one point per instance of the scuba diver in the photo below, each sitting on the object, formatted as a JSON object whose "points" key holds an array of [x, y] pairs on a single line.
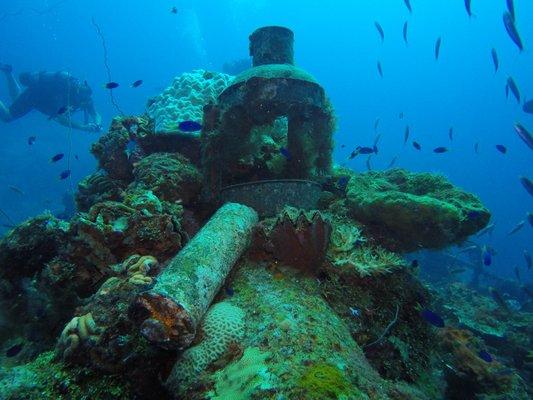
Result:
{"points": [[55, 94]]}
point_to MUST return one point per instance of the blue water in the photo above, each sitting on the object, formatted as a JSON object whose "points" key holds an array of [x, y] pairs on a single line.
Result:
{"points": [[337, 42]]}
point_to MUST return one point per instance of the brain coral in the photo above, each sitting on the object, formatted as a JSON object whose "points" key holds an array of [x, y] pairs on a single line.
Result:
{"points": [[185, 98], [409, 211], [223, 326]]}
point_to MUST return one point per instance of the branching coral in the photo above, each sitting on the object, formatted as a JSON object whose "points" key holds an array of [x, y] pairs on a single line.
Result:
{"points": [[345, 237], [368, 260]]}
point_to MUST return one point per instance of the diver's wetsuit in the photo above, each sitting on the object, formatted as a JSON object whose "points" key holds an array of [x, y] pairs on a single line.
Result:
{"points": [[55, 94]]}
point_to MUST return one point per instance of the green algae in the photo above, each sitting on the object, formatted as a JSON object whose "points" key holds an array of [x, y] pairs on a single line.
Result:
{"points": [[408, 211], [325, 381], [46, 379], [273, 71]]}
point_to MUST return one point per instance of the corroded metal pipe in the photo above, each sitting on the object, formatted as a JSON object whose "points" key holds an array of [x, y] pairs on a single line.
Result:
{"points": [[272, 45], [170, 312]]}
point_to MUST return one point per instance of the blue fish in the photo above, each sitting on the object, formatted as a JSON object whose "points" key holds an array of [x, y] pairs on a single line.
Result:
{"points": [[137, 83], [405, 27], [57, 157], [111, 85], [229, 291], [473, 214], [285, 153], [31, 140], [14, 350], [416, 145], [510, 26], [432, 318], [367, 150], [486, 256], [65, 174], [189, 126], [408, 5], [440, 150], [131, 147], [501, 148], [343, 181], [530, 218], [485, 356]]}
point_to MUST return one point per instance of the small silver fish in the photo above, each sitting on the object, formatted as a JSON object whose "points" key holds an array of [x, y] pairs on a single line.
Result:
{"points": [[406, 134], [527, 257], [488, 229], [510, 27], [495, 59], [518, 226], [437, 48], [376, 124], [380, 30], [380, 69], [468, 6], [513, 87]]}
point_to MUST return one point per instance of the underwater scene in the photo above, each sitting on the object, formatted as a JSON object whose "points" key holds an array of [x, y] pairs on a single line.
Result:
{"points": [[266, 199]]}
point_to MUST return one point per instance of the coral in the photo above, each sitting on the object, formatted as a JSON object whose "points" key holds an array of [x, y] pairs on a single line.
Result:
{"points": [[170, 176], [345, 237], [469, 375], [245, 378], [46, 379], [76, 333], [289, 329], [98, 187], [112, 231], [138, 267], [185, 98], [26, 248], [110, 150], [368, 260], [295, 238], [382, 310], [407, 211], [223, 326], [325, 381]]}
